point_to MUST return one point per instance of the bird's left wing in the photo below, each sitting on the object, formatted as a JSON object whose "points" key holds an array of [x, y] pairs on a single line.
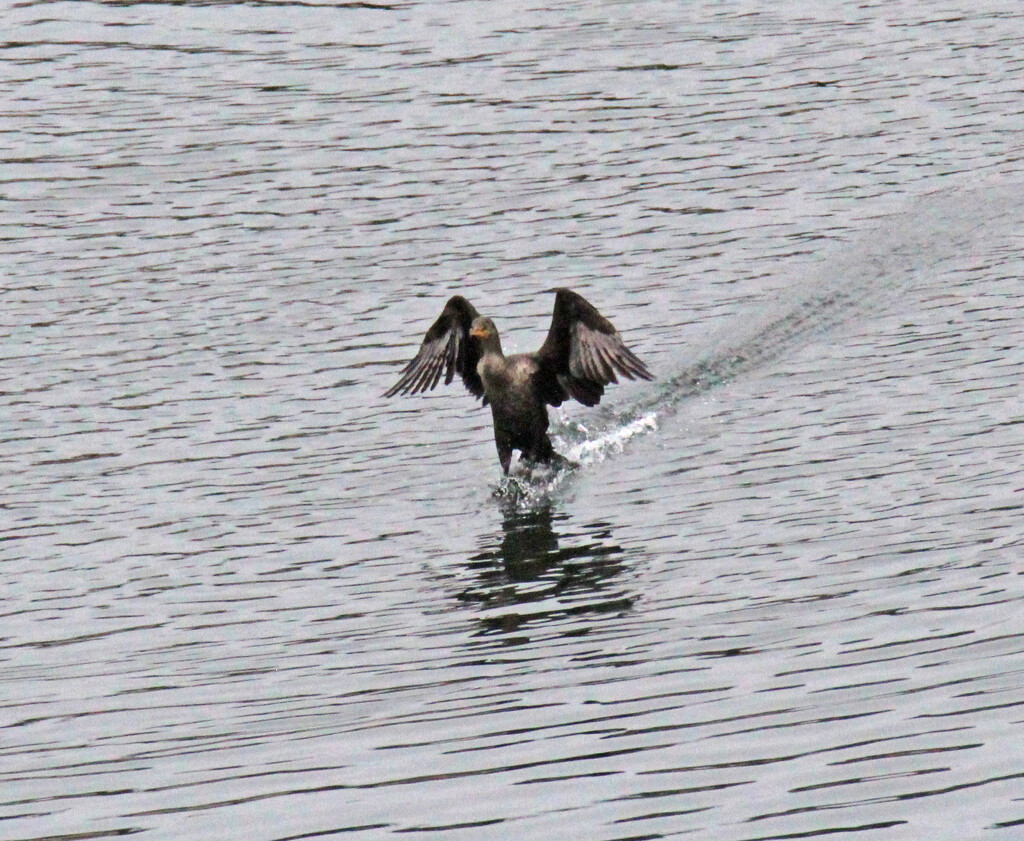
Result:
{"points": [[448, 349], [583, 352]]}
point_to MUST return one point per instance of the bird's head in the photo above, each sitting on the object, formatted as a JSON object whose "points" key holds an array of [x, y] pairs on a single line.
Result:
{"points": [[483, 329], [486, 335]]}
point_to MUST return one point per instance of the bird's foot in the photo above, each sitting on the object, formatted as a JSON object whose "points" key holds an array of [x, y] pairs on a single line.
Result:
{"points": [[556, 463], [560, 462]]}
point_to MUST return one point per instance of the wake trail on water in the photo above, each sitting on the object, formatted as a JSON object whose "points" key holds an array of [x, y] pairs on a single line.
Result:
{"points": [[904, 251]]}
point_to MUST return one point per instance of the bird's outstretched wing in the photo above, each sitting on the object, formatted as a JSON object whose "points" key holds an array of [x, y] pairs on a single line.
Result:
{"points": [[446, 349], [582, 353]]}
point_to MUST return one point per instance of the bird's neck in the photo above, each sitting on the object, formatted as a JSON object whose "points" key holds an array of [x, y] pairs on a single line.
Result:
{"points": [[492, 347], [492, 367]]}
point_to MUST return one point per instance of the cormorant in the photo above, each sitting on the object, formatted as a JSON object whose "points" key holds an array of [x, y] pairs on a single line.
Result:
{"points": [[580, 356]]}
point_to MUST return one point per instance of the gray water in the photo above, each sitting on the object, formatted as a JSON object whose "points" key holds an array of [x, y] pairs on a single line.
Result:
{"points": [[245, 597]]}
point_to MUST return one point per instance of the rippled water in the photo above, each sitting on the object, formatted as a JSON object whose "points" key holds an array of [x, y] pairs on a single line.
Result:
{"points": [[245, 597]]}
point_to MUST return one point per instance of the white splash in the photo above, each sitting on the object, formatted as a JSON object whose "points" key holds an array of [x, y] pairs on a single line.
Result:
{"points": [[528, 486], [586, 447]]}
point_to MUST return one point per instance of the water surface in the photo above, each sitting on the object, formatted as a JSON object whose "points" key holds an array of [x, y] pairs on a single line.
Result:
{"points": [[247, 597]]}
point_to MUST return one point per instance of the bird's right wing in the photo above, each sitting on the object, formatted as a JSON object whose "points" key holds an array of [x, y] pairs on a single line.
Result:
{"points": [[448, 349]]}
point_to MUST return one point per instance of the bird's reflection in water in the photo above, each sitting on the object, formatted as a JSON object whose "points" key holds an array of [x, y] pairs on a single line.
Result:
{"points": [[533, 574]]}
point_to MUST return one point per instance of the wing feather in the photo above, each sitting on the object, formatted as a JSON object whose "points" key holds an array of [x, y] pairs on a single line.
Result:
{"points": [[597, 364], [607, 361], [583, 353], [447, 350]]}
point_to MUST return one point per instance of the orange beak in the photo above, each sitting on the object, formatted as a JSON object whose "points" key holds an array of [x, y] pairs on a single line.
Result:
{"points": [[479, 332]]}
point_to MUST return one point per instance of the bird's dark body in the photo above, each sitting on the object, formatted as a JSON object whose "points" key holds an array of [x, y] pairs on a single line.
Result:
{"points": [[518, 410], [580, 356]]}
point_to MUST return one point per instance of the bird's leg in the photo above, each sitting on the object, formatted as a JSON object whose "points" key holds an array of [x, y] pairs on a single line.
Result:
{"points": [[504, 444], [543, 452]]}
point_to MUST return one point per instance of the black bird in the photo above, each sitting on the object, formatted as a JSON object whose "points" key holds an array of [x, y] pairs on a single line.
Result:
{"points": [[580, 356]]}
